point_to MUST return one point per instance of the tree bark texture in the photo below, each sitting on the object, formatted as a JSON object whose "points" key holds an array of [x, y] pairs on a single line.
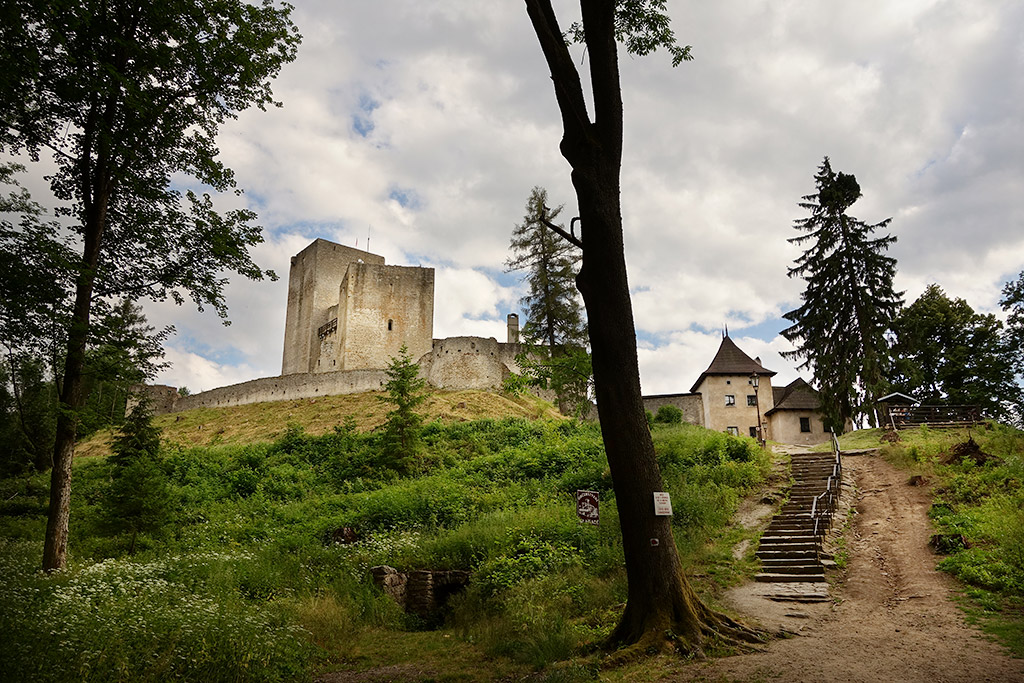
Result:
{"points": [[660, 600], [97, 188]]}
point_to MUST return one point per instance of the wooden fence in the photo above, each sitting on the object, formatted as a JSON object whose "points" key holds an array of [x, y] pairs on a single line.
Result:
{"points": [[907, 417]]}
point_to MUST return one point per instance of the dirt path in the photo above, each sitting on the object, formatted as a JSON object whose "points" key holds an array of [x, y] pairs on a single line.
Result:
{"points": [[894, 621]]}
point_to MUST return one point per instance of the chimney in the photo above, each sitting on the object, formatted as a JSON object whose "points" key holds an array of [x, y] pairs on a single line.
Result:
{"points": [[513, 328]]}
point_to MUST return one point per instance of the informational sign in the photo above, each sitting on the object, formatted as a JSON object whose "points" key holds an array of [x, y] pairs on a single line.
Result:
{"points": [[662, 504], [588, 507]]}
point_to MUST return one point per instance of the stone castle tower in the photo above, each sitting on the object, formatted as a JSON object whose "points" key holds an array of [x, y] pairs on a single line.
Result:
{"points": [[347, 310]]}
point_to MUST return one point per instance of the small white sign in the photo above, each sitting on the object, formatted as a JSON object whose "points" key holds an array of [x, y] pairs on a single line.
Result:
{"points": [[662, 504]]}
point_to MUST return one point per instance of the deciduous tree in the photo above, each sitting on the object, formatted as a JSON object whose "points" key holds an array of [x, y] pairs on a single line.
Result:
{"points": [[1013, 303], [662, 610], [127, 95], [945, 352], [848, 301]]}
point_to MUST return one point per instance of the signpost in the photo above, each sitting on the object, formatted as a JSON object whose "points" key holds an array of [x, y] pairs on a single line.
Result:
{"points": [[587, 507], [662, 504]]}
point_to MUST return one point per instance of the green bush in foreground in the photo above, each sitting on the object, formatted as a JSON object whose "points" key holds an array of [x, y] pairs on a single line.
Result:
{"points": [[128, 621]]}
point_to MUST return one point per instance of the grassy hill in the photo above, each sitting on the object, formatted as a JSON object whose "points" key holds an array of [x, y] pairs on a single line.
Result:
{"points": [[263, 422], [250, 557], [248, 582]]}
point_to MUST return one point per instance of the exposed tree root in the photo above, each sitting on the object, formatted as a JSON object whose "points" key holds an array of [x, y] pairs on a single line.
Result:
{"points": [[685, 626], [715, 633]]}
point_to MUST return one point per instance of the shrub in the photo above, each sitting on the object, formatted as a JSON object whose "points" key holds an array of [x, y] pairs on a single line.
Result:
{"points": [[154, 621], [669, 414]]}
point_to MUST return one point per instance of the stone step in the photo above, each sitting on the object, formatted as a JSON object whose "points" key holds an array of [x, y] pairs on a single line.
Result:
{"points": [[806, 561], [780, 578], [788, 547], [789, 556], [798, 570], [788, 538]]}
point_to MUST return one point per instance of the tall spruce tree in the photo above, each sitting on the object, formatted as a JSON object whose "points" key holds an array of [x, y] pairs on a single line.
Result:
{"points": [[406, 391], [555, 331], [848, 303], [552, 307]]}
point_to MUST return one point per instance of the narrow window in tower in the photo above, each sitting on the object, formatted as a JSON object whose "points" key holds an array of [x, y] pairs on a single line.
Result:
{"points": [[389, 324]]}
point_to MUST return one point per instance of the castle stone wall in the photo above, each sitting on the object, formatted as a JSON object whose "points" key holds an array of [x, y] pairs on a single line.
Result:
{"points": [[691, 404], [457, 363], [469, 363], [379, 309], [313, 284]]}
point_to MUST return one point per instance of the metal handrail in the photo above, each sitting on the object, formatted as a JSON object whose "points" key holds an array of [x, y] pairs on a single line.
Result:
{"points": [[829, 497]]}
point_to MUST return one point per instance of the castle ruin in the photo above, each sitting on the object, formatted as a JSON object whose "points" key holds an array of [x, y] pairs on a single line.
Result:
{"points": [[347, 310], [348, 315]]}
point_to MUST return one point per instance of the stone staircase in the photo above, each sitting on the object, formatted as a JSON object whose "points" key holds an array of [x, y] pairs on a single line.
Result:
{"points": [[790, 549]]}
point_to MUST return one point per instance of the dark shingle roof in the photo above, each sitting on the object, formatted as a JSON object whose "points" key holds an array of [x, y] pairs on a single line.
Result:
{"points": [[797, 395], [731, 361]]}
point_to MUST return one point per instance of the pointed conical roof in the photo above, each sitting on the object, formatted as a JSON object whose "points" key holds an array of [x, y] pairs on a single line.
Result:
{"points": [[731, 361]]}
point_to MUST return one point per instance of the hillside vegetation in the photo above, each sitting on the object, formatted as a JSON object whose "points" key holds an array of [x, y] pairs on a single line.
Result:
{"points": [[262, 422], [248, 582]]}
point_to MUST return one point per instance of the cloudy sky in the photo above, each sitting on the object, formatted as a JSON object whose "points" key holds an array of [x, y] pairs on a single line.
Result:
{"points": [[423, 126]]}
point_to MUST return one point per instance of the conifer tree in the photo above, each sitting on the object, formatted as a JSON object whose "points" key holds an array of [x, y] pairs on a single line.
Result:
{"points": [[406, 391], [555, 331], [848, 303], [552, 307], [139, 499]]}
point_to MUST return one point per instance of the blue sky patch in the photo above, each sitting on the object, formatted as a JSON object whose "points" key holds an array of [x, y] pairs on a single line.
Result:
{"points": [[406, 197], [362, 120]]}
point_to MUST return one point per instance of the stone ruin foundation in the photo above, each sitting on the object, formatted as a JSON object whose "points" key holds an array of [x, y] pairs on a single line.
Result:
{"points": [[421, 592]]}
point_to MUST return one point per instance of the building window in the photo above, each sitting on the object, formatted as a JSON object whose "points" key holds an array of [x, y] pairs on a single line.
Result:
{"points": [[735, 431], [751, 399], [730, 400], [753, 432], [389, 324], [805, 424]]}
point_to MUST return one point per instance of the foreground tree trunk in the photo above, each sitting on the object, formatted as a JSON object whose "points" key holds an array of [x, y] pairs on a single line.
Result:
{"points": [[55, 547], [662, 611]]}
